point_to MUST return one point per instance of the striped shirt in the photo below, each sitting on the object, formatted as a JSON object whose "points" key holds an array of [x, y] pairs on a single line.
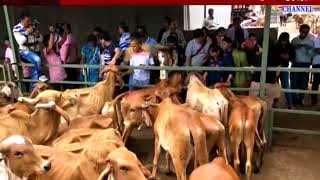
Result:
{"points": [[124, 41], [21, 36]]}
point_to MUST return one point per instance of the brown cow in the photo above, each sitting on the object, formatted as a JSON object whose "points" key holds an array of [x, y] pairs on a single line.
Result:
{"points": [[130, 104], [38, 87], [40, 126], [65, 165], [95, 144], [80, 153], [175, 129], [124, 164], [243, 130], [91, 100], [217, 169], [260, 109], [205, 100], [18, 153], [9, 94], [97, 121]]}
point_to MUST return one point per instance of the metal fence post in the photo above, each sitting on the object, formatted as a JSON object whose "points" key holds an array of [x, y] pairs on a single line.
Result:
{"points": [[6, 14], [264, 64], [265, 49]]}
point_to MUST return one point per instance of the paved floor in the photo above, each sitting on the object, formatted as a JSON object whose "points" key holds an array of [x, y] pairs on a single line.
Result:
{"points": [[292, 157]]}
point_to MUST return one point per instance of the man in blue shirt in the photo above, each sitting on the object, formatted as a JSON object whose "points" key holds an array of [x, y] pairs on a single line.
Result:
{"points": [[304, 52], [147, 39]]}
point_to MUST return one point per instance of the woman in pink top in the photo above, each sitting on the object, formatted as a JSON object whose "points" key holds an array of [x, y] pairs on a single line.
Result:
{"points": [[69, 53], [53, 58]]}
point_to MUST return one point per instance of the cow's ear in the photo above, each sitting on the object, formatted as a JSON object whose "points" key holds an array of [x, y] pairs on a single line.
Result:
{"points": [[4, 148]]}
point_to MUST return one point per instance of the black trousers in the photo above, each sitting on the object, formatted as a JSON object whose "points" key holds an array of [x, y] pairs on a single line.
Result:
{"points": [[315, 84]]}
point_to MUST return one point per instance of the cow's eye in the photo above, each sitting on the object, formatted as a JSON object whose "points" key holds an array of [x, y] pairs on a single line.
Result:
{"points": [[124, 168], [18, 154]]}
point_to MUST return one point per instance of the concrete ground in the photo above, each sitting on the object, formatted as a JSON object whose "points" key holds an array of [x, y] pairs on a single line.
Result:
{"points": [[292, 157]]}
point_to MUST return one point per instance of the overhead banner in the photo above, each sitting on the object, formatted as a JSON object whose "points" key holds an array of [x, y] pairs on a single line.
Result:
{"points": [[157, 3]]}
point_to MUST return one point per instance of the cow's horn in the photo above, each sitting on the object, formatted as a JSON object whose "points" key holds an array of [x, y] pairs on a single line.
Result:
{"points": [[105, 173], [48, 105], [148, 104], [29, 101]]}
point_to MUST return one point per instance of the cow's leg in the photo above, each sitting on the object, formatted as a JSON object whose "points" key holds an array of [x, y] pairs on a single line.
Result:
{"points": [[222, 145], [201, 154], [180, 168], [235, 139], [168, 159], [157, 151], [249, 143]]}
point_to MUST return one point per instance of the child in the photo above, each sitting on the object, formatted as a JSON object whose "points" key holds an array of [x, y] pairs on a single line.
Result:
{"points": [[139, 57], [214, 59]]}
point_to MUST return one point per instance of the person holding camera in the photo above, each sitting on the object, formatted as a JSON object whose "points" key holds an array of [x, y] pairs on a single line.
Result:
{"points": [[68, 51], [27, 39], [56, 73]]}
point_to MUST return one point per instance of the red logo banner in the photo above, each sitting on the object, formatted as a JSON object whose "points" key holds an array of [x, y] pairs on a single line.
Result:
{"points": [[156, 3]]}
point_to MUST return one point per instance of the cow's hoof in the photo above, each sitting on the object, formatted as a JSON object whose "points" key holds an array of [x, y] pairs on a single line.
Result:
{"points": [[169, 173], [152, 178], [256, 169]]}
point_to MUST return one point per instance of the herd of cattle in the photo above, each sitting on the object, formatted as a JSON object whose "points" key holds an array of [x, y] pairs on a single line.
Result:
{"points": [[80, 134]]}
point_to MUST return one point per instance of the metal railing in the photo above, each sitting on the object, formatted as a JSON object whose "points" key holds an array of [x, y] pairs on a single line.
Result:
{"points": [[269, 124]]}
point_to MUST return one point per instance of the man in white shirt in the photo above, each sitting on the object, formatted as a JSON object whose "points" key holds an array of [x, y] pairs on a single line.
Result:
{"points": [[23, 33], [197, 49], [316, 64], [209, 21]]}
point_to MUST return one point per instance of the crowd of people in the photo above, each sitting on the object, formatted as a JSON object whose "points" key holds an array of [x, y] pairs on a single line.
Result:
{"points": [[232, 47]]}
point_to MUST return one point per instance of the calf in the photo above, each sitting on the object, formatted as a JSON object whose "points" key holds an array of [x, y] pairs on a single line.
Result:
{"points": [[217, 169], [123, 164], [19, 155]]}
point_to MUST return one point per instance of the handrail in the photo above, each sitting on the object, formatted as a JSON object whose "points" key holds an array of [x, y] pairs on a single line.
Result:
{"points": [[188, 68], [4, 74]]}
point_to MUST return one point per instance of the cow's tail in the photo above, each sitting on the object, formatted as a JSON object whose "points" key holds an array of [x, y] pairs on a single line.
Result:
{"points": [[260, 125]]}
